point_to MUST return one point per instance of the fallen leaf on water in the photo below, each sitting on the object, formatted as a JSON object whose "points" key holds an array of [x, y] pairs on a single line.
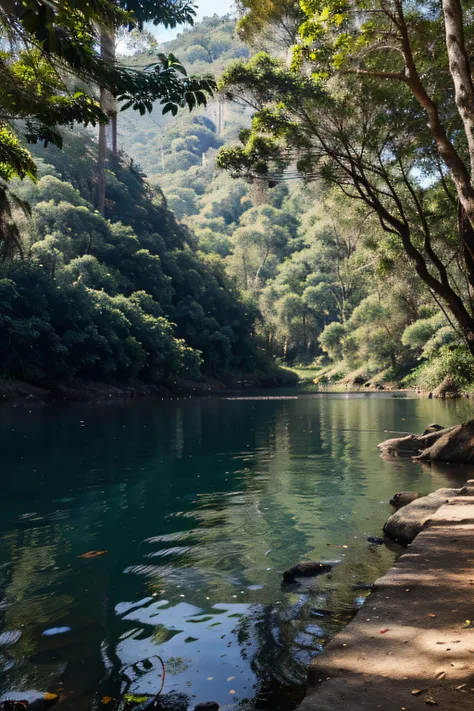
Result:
{"points": [[431, 614], [468, 624], [50, 697], [92, 554], [429, 700], [415, 692], [232, 691], [461, 686], [210, 678], [230, 678], [383, 631], [135, 699], [440, 675], [106, 699]]}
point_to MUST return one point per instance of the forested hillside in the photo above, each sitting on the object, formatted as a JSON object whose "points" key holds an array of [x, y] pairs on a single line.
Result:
{"points": [[116, 298], [332, 289], [225, 239]]}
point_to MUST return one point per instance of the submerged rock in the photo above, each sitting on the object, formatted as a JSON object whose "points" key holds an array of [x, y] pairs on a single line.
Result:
{"points": [[207, 706], [362, 586], [455, 444], [306, 570], [403, 498], [375, 540], [321, 613]]}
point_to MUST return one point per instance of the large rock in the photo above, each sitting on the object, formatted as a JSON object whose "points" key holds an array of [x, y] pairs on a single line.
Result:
{"points": [[447, 389], [404, 525], [307, 569], [455, 445], [411, 445], [403, 498]]}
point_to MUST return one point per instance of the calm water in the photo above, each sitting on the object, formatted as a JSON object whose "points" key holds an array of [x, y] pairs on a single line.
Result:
{"points": [[200, 505]]}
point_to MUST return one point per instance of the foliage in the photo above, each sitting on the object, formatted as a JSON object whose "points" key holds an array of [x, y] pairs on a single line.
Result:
{"points": [[119, 298]]}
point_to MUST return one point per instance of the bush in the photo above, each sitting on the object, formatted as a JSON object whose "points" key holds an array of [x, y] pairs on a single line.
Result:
{"points": [[457, 362]]}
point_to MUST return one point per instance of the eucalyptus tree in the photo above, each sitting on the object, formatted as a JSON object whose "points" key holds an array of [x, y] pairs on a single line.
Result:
{"points": [[50, 66], [378, 101]]}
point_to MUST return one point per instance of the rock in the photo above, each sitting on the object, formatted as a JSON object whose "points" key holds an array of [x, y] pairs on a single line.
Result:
{"points": [[433, 428], [376, 540], [404, 525], [306, 570], [362, 586], [455, 445], [207, 706], [403, 498], [401, 445], [446, 389], [411, 445]]}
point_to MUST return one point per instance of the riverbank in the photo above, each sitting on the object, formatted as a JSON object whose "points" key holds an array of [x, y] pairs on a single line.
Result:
{"points": [[17, 393], [412, 643]]}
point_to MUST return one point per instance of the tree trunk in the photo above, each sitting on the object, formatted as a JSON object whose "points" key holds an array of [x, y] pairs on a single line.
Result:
{"points": [[108, 103]]}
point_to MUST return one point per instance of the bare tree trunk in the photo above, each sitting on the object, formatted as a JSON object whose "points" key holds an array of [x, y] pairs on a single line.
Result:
{"points": [[108, 103]]}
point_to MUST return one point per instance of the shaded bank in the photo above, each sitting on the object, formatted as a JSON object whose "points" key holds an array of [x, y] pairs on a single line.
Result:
{"points": [[412, 643]]}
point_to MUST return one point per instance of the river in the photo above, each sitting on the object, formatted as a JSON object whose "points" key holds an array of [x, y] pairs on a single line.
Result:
{"points": [[196, 506]]}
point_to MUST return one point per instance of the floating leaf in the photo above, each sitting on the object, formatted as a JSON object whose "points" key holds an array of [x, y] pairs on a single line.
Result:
{"points": [[468, 624], [430, 701], [106, 699], [92, 554], [431, 614], [135, 699], [415, 692], [50, 697], [385, 630], [232, 691], [440, 675], [231, 678]]}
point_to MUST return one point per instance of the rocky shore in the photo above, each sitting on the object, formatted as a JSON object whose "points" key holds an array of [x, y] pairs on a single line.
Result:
{"points": [[412, 643]]}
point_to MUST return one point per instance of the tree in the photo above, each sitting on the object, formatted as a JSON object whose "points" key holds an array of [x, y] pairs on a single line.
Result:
{"points": [[50, 66], [370, 139]]}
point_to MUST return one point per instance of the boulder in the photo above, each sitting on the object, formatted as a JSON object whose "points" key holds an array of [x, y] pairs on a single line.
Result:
{"points": [[404, 446], [403, 498], [446, 389], [454, 445], [411, 445], [433, 428], [306, 569], [404, 525]]}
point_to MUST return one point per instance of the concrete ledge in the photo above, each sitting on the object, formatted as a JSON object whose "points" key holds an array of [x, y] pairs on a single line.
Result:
{"points": [[411, 633]]}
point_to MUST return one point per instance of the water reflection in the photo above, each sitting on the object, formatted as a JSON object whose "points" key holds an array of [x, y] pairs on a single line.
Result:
{"points": [[201, 504]]}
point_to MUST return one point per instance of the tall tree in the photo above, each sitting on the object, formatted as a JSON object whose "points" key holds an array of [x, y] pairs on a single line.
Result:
{"points": [[379, 104], [50, 66]]}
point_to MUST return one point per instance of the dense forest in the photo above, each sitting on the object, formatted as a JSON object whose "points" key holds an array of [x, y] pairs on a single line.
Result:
{"points": [[330, 287], [285, 219]]}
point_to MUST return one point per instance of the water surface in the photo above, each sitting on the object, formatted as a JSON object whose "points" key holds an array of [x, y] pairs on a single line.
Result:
{"points": [[200, 504]]}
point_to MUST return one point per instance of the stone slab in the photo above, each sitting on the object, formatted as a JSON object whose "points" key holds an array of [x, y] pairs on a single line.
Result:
{"points": [[412, 634]]}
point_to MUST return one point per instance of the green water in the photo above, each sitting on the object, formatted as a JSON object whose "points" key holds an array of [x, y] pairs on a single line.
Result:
{"points": [[200, 505]]}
